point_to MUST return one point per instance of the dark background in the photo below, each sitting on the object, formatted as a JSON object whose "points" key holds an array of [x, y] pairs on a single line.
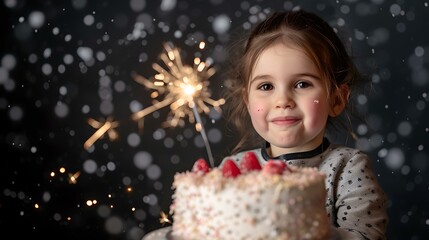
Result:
{"points": [[49, 89]]}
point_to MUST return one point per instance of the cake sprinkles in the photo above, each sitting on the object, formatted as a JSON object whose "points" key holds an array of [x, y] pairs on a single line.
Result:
{"points": [[249, 201]]}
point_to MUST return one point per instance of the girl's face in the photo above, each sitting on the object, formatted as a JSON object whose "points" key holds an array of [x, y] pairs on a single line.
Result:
{"points": [[287, 101]]}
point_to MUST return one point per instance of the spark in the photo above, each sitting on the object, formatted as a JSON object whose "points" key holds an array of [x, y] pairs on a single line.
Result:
{"points": [[164, 218], [108, 126], [183, 88], [73, 177]]}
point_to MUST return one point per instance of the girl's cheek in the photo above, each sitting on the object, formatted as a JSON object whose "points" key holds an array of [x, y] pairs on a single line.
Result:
{"points": [[257, 109], [318, 107]]}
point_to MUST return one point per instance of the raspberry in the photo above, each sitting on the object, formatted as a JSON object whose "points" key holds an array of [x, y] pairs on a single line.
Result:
{"points": [[201, 166], [250, 162], [274, 167], [230, 169]]}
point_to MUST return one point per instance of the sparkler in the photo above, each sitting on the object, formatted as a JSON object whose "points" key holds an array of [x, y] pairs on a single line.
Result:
{"points": [[108, 126], [164, 218], [185, 90], [73, 177]]}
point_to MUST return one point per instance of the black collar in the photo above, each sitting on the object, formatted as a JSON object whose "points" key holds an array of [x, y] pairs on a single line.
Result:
{"points": [[299, 155]]}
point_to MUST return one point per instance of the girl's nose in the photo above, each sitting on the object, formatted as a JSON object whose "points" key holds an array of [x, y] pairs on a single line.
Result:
{"points": [[284, 101]]}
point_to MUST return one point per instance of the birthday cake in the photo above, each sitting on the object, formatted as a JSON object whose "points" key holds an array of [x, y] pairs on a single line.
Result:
{"points": [[249, 201]]}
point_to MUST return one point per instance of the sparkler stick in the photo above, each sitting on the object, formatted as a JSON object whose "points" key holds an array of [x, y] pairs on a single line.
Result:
{"points": [[200, 128]]}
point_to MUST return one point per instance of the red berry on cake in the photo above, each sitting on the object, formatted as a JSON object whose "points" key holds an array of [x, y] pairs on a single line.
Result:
{"points": [[201, 166], [230, 169], [250, 162], [274, 167]]}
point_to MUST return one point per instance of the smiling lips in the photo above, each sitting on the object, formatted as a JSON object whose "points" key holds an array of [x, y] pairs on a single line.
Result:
{"points": [[285, 121]]}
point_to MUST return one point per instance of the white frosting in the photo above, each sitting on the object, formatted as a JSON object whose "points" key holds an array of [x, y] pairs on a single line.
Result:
{"points": [[250, 206]]}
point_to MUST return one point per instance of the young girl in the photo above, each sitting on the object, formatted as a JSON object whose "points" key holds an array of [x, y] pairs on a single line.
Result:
{"points": [[293, 78]]}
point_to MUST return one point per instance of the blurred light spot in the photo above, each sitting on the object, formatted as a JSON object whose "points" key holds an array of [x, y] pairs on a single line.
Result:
{"points": [[168, 5], [57, 217], [135, 106], [405, 170], [119, 86], [101, 56], [103, 211], [175, 159], [127, 181], [140, 214], [47, 69], [392, 137], [395, 9], [379, 36], [63, 90], [362, 99], [36, 19], [359, 35], [61, 110], [47, 53], [88, 20], [159, 134], [158, 185], [420, 76], [198, 141], [68, 59], [382, 153], [419, 51], [183, 22], [401, 27], [214, 135], [4, 75], [85, 109], [405, 128], [114, 225], [85, 53], [150, 199], [221, 24], [362, 129], [142, 159], [33, 149], [395, 158], [15, 113], [344, 9], [168, 142], [46, 196], [8, 61], [420, 105], [137, 5], [106, 107], [10, 3], [214, 114], [133, 139], [341, 22], [376, 141], [79, 4], [90, 166], [111, 166], [153, 172]]}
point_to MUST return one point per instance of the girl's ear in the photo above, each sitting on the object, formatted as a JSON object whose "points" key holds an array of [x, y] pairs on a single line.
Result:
{"points": [[339, 100]]}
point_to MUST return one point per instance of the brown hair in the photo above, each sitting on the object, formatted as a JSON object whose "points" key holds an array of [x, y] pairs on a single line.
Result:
{"points": [[300, 29]]}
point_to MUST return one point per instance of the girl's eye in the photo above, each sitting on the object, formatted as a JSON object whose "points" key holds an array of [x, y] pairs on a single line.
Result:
{"points": [[302, 85], [265, 87]]}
